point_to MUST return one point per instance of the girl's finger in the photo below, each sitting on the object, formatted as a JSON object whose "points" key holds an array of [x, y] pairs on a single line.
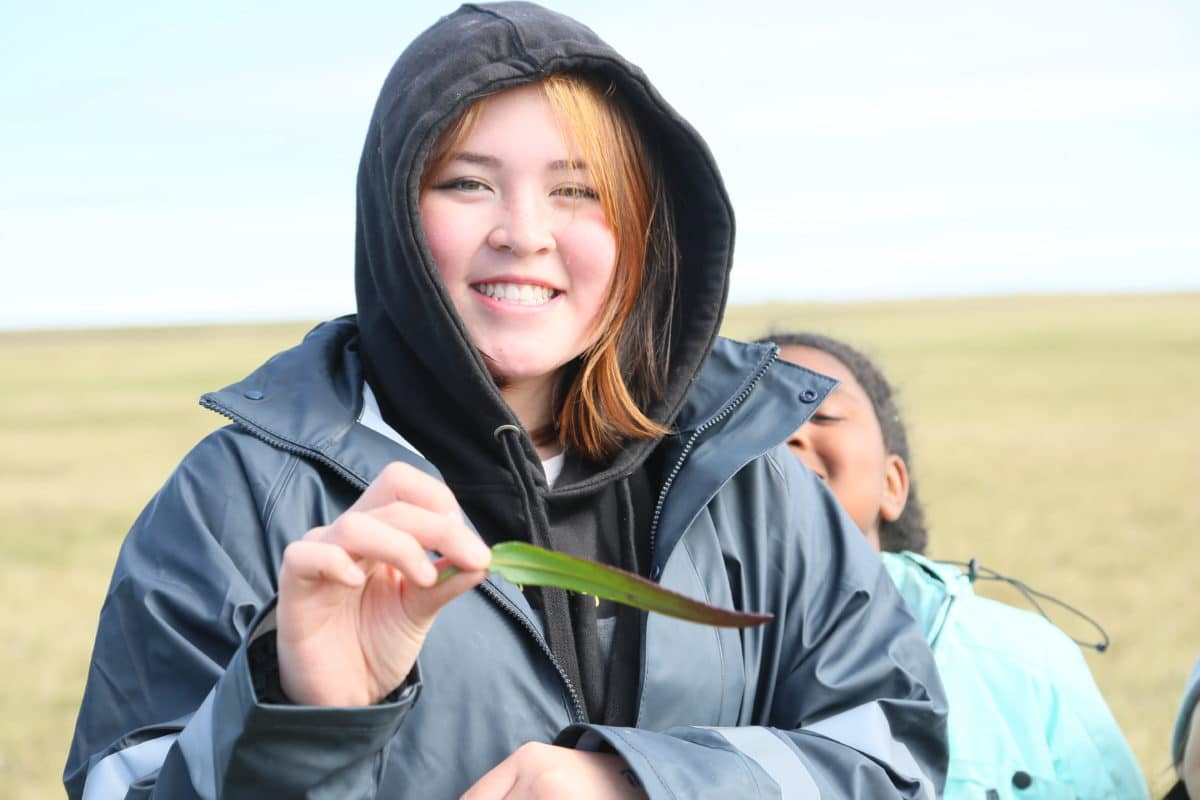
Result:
{"points": [[422, 604], [446, 534], [319, 562], [404, 482], [363, 536]]}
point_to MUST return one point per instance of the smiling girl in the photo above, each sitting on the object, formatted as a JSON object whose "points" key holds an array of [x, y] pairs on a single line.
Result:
{"points": [[1026, 717], [543, 249]]}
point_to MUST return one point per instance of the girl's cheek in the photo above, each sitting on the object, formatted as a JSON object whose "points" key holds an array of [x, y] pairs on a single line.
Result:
{"points": [[599, 252]]}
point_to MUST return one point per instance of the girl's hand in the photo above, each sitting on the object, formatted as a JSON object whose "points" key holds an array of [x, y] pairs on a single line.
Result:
{"points": [[357, 597], [539, 771]]}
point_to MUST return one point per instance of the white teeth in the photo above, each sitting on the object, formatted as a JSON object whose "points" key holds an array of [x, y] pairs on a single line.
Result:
{"points": [[525, 294]]}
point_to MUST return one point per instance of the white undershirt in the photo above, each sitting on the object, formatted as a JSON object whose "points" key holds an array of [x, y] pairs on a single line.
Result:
{"points": [[372, 418], [553, 466]]}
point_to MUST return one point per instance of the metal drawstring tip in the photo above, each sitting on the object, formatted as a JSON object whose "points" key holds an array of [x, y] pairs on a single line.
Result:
{"points": [[972, 570]]}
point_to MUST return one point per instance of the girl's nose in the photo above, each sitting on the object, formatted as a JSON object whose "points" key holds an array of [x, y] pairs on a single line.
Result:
{"points": [[525, 228], [799, 441], [802, 448]]}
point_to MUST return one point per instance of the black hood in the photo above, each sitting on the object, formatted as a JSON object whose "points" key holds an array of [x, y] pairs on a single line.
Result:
{"points": [[432, 384]]}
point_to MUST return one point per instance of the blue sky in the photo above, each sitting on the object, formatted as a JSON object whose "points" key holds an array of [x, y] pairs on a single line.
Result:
{"points": [[169, 162]]}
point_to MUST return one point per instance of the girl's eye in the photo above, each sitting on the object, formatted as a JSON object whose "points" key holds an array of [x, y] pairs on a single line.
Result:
{"points": [[463, 185], [576, 192], [823, 419]]}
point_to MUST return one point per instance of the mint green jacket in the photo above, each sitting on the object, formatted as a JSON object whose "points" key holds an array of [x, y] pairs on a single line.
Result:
{"points": [[1026, 718]]}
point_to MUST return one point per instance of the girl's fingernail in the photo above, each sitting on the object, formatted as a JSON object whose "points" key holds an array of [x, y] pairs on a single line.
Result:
{"points": [[428, 574]]}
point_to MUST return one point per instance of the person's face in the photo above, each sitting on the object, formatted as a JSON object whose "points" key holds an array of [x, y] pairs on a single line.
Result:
{"points": [[520, 239], [843, 444]]}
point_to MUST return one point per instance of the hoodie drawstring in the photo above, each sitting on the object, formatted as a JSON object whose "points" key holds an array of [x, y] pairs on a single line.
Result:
{"points": [[622, 674], [560, 634]]}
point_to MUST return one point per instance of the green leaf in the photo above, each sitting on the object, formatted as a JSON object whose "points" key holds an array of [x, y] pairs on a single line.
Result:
{"points": [[528, 565]]}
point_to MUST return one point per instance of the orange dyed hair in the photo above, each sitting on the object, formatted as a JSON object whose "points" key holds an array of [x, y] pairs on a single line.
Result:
{"points": [[603, 400]]}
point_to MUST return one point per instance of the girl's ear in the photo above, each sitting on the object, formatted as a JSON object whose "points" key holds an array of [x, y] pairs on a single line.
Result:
{"points": [[895, 488]]}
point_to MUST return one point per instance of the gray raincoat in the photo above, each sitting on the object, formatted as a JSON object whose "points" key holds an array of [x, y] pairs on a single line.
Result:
{"points": [[837, 697]]}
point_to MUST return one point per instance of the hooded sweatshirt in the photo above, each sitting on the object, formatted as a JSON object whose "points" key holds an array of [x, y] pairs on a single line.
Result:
{"points": [[433, 385]]}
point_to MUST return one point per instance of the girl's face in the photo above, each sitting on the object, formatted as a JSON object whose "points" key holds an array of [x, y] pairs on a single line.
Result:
{"points": [[520, 239], [843, 444]]}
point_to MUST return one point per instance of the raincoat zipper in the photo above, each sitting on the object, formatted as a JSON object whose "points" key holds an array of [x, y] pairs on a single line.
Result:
{"points": [[691, 443], [357, 482], [503, 602], [283, 444]]}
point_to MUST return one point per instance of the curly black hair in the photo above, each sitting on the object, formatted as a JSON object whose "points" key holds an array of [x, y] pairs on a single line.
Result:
{"points": [[908, 531]]}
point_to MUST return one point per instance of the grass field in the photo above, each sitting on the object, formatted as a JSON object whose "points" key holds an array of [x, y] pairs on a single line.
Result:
{"points": [[1056, 439]]}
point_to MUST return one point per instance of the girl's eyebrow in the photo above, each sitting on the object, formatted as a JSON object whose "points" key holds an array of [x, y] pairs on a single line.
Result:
{"points": [[578, 164], [477, 158], [851, 392], [491, 161]]}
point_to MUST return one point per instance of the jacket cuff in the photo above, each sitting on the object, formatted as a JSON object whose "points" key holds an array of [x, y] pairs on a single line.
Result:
{"points": [[263, 659], [235, 743], [665, 771], [602, 739]]}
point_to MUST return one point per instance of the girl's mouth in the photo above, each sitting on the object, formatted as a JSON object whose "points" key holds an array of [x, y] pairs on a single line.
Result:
{"points": [[524, 294]]}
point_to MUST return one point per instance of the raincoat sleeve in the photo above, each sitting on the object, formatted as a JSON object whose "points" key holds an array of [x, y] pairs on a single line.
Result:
{"points": [[170, 708], [1090, 752], [857, 709]]}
